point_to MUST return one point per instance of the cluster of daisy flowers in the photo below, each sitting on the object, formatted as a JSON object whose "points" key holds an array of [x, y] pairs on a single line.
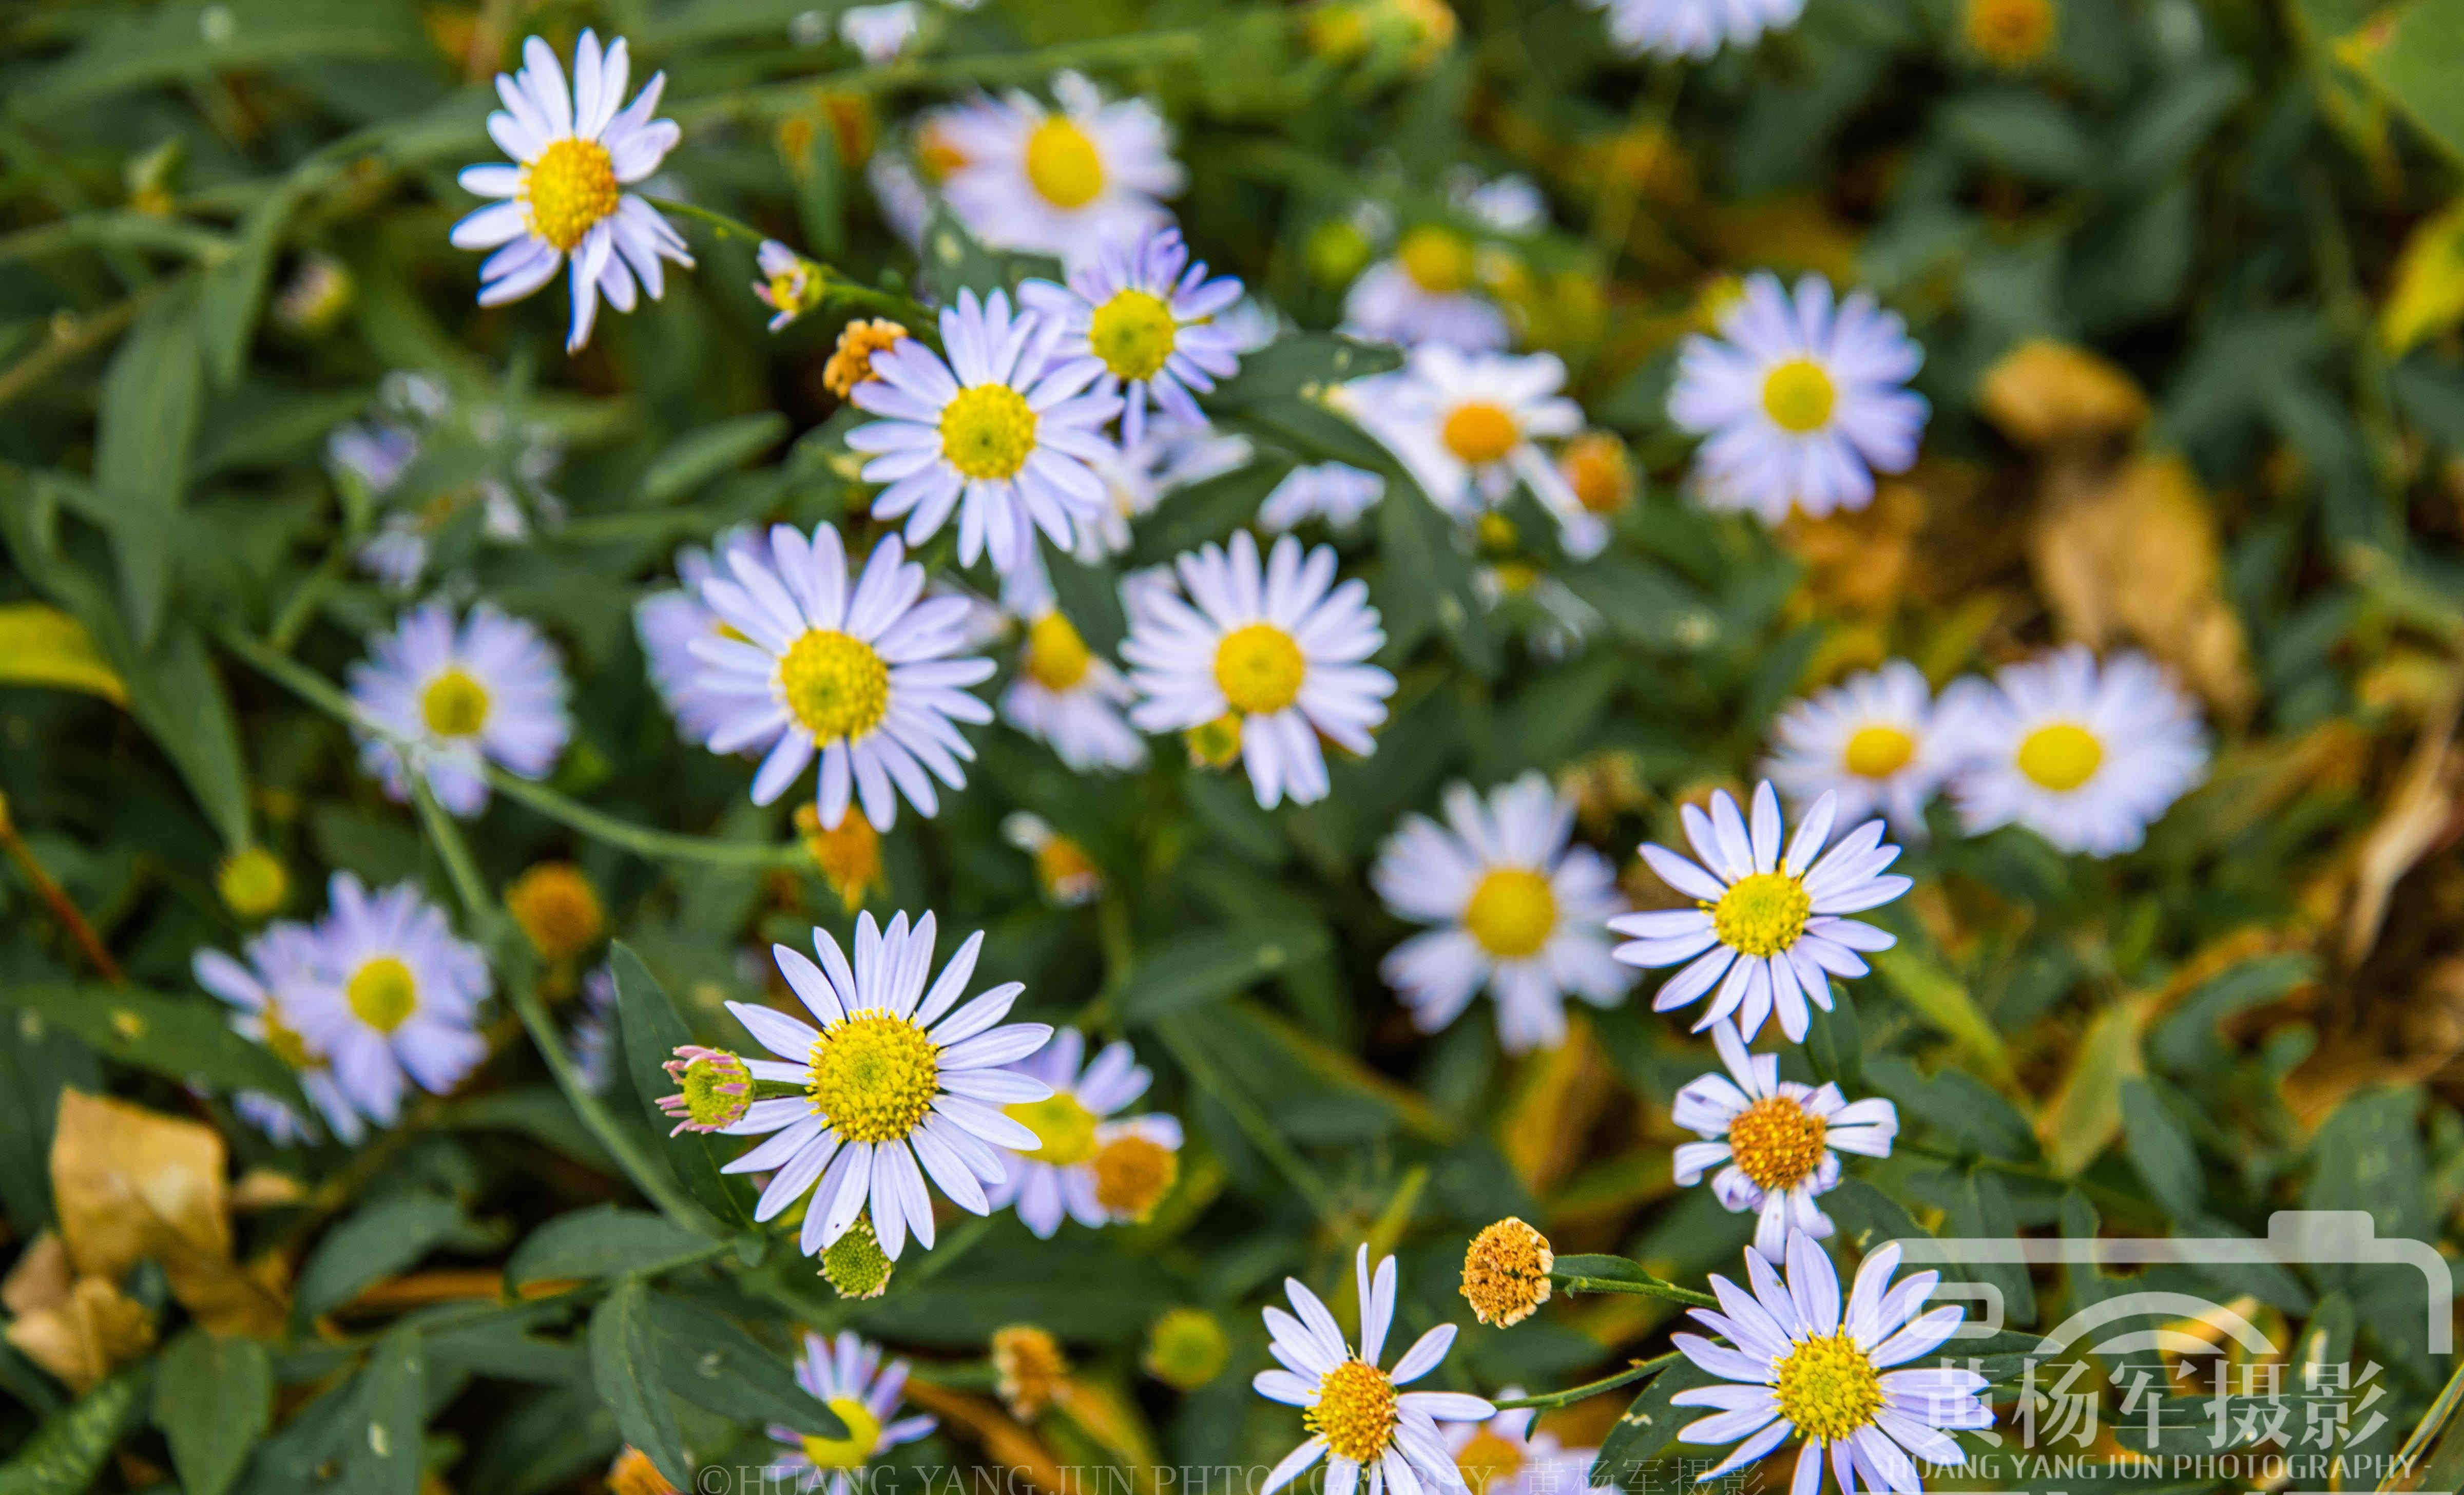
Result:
{"points": [[2087, 752], [374, 998]]}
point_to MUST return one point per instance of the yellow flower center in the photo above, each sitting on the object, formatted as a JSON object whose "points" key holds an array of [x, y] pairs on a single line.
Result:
{"points": [[1438, 260], [1878, 750], [1762, 914], [2062, 757], [2009, 34], [1063, 165], [836, 685], [381, 993], [875, 1076], [1133, 333], [987, 431], [569, 189], [1214, 744], [862, 1432], [1600, 472], [1063, 1125], [1797, 396], [1486, 1459], [1354, 1412], [1777, 1142], [1057, 658], [1259, 668], [284, 1041], [1512, 912], [253, 881], [849, 854], [454, 705], [1133, 1174], [787, 288], [1828, 1387], [1479, 432]]}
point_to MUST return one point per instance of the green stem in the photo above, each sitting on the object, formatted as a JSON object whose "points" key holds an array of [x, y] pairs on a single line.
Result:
{"points": [[649, 1173], [1262, 1134], [836, 286], [1647, 1287], [1573, 1394], [599, 826]]}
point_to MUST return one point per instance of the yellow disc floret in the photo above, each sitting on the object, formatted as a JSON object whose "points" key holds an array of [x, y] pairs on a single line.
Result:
{"points": [[569, 190], [875, 1076], [1505, 1272], [1480, 432], [1797, 395], [1828, 1387], [1133, 1174], [555, 906], [1877, 750], [1762, 914], [836, 685], [1512, 912], [851, 360], [1057, 658], [987, 431], [381, 993], [253, 881], [1438, 260], [1354, 1412], [1133, 333], [1777, 1142], [863, 1435], [1064, 1126], [2061, 756], [454, 705], [1486, 1459], [1259, 668], [1063, 164]]}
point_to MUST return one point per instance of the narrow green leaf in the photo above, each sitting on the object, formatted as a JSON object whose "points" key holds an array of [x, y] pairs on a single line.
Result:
{"points": [[604, 1242], [213, 1398], [184, 1040], [1646, 1425], [152, 395], [382, 1455], [68, 1450], [379, 1241], [1190, 972], [176, 696], [1939, 997], [712, 1363], [624, 1366], [2161, 1149], [700, 456], [652, 1032]]}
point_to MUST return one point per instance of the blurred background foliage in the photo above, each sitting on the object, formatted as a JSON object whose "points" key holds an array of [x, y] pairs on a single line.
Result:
{"points": [[2188, 276]]}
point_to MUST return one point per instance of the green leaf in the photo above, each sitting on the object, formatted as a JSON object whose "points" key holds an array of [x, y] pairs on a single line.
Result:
{"points": [[152, 395], [1424, 580], [710, 1362], [1978, 1208], [1190, 972], [2415, 62], [176, 695], [1647, 1424], [235, 290], [1939, 997], [2161, 1149], [1957, 1103], [184, 1040], [698, 456], [68, 1450], [199, 39], [652, 1032], [1302, 365], [374, 1243], [604, 1242], [383, 1453], [213, 1398], [623, 1365]]}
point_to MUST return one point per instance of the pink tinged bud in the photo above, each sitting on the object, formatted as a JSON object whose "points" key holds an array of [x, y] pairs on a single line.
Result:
{"points": [[715, 1089]]}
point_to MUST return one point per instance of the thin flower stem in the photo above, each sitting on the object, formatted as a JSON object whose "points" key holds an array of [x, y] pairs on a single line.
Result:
{"points": [[56, 898], [1647, 1287], [1573, 1394], [648, 1174], [1192, 1057], [836, 286], [641, 840]]}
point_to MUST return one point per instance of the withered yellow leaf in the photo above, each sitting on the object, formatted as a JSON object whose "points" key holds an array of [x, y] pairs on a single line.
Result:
{"points": [[2427, 294], [40, 645], [79, 1329], [2043, 392], [2133, 553]]}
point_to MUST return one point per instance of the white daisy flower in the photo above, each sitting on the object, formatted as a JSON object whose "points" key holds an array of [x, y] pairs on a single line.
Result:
{"points": [[1067, 695], [1872, 742], [880, 32], [1138, 474], [858, 670], [395, 997], [565, 200], [1332, 490], [1771, 924], [997, 426], [1466, 426], [1278, 650], [2086, 756], [667, 620], [1795, 1366], [1779, 1142], [1139, 320], [790, 284], [1508, 1455], [442, 700], [1517, 909], [1057, 181], [1426, 294], [1800, 402], [1061, 1177], [265, 986], [1693, 28], [847, 1376], [896, 1076], [1357, 1422]]}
